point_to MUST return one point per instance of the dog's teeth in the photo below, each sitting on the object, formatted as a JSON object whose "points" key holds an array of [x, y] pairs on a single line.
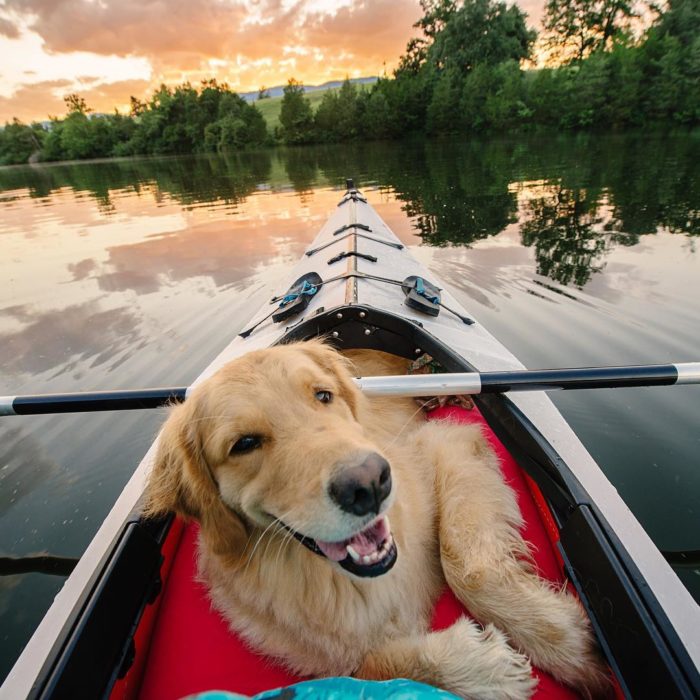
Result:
{"points": [[355, 556], [367, 559]]}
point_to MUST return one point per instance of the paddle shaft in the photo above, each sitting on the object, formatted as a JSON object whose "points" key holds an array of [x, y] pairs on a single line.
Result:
{"points": [[408, 385], [531, 380]]}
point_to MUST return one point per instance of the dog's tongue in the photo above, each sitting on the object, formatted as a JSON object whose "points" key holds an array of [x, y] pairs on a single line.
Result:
{"points": [[364, 542]]}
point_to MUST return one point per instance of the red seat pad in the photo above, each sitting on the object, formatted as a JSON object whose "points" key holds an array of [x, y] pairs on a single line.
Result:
{"points": [[193, 650], [448, 608]]}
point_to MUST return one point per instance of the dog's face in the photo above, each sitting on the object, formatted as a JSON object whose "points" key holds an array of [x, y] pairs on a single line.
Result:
{"points": [[273, 440]]}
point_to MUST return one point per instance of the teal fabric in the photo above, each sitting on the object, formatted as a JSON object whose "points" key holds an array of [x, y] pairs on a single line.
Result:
{"points": [[341, 689]]}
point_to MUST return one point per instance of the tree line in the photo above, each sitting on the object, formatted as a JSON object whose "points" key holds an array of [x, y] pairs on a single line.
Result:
{"points": [[463, 74], [174, 121]]}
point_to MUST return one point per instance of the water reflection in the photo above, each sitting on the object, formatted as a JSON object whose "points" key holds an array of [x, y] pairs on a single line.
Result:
{"points": [[119, 274], [223, 254], [62, 338], [189, 181], [564, 227], [25, 465], [457, 194]]}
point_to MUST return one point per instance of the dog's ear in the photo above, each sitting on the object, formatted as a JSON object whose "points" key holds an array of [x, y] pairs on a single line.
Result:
{"points": [[167, 489], [332, 361], [182, 482]]}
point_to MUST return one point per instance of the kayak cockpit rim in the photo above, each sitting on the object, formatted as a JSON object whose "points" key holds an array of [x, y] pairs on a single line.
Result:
{"points": [[576, 516]]}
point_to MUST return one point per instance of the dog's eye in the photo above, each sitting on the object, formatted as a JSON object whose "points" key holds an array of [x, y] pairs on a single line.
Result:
{"points": [[324, 396], [246, 444]]}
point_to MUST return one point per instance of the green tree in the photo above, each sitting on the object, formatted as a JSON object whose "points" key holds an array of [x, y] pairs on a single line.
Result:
{"points": [[480, 31], [326, 117], [377, 118], [338, 115], [76, 104], [681, 19], [76, 137], [296, 119], [413, 59], [494, 98], [444, 115], [577, 28], [546, 91], [348, 111], [436, 15], [18, 142], [625, 87]]}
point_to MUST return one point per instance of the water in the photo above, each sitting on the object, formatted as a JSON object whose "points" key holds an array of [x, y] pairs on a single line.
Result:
{"points": [[572, 251]]}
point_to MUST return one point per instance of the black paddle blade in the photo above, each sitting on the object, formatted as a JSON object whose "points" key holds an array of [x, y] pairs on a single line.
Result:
{"points": [[298, 296], [421, 295]]}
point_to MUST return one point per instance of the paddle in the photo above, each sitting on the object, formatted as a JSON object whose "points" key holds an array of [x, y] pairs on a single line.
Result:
{"points": [[406, 385]]}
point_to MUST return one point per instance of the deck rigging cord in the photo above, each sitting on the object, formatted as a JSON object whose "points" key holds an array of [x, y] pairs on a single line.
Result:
{"points": [[363, 275]]}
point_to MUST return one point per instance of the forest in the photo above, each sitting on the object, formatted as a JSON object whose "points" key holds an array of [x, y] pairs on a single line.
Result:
{"points": [[469, 71]]}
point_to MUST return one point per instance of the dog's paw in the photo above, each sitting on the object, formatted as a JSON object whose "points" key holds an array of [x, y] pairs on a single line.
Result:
{"points": [[478, 663], [590, 675], [561, 642]]}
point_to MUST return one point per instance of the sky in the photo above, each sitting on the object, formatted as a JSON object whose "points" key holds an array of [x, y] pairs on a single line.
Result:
{"points": [[108, 50]]}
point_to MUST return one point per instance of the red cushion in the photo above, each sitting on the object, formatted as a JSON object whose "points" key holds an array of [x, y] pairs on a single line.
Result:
{"points": [[192, 649], [448, 608]]}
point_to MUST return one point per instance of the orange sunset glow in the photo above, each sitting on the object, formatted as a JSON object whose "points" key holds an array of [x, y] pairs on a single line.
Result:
{"points": [[109, 50]]}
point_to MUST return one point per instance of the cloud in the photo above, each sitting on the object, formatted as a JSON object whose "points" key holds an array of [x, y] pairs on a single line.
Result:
{"points": [[369, 28], [38, 101], [106, 96], [145, 27], [190, 34], [35, 100], [246, 43], [8, 29], [534, 9]]}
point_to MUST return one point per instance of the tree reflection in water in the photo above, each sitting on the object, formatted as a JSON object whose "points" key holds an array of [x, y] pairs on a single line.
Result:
{"points": [[564, 227], [601, 191], [573, 198]]}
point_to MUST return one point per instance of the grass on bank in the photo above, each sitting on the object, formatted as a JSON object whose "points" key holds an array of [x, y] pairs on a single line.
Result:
{"points": [[270, 107]]}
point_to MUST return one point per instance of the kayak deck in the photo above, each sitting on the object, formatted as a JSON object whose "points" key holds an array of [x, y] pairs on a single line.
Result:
{"points": [[192, 649]]}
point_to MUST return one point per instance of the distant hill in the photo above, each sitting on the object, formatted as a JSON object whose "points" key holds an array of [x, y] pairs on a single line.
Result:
{"points": [[278, 90], [271, 106]]}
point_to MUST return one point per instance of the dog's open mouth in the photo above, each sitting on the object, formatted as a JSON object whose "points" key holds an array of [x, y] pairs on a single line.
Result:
{"points": [[370, 552]]}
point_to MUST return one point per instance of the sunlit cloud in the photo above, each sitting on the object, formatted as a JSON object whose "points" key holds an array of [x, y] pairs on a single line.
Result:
{"points": [[101, 48]]}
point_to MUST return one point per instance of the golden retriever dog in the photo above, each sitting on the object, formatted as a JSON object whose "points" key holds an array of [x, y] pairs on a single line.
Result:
{"points": [[330, 523]]}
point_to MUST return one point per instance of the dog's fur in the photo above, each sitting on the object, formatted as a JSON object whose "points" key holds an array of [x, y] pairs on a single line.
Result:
{"points": [[453, 519]]}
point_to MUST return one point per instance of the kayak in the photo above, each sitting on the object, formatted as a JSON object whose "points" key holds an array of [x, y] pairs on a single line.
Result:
{"points": [[132, 621]]}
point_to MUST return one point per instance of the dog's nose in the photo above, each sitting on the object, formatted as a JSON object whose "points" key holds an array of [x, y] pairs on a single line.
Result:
{"points": [[362, 489]]}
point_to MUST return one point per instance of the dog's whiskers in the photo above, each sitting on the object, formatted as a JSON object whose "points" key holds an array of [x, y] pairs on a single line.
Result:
{"points": [[289, 537], [405, 425], [262, 535]]}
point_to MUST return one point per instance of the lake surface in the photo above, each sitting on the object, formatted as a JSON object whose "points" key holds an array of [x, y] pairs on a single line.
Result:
{"points": [[572, 251]]}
